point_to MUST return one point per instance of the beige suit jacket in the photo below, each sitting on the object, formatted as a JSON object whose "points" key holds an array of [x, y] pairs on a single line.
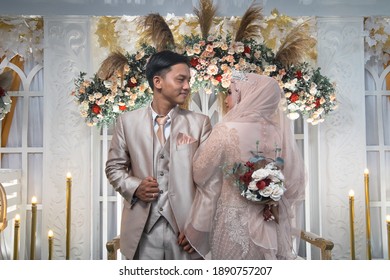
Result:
{"points": [[130, 159]]}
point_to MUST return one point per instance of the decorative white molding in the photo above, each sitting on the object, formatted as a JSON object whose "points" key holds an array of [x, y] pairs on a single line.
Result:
{"points": [[342, 154], [67, 140]]}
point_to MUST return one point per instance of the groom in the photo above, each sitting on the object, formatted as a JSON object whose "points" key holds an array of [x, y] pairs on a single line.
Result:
{"points": [[150, 164]]}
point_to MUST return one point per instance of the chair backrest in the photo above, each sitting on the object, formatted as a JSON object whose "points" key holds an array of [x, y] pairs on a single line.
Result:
{"points": [[323, 244], [3, 208]]}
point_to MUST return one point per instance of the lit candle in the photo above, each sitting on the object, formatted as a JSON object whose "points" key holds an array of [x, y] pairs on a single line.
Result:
{"points": [[16, 236], [351, 220], [33, 226], [368, 223], [388, 236], [68, 212], [50, 235]]}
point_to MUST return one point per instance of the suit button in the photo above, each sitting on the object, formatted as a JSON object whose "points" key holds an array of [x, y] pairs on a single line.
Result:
{"points": [[161, 191], [161, 156], [161, 209], [161, 173]]}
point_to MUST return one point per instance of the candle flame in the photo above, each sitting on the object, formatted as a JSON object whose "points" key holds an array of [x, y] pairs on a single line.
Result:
{"points": [[50, 234], [366, 171], [34, 200], [351, 193], [68, 175], [17, 217]]}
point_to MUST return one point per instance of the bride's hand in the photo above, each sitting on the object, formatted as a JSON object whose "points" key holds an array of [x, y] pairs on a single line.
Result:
{"points": [[271, 212]]}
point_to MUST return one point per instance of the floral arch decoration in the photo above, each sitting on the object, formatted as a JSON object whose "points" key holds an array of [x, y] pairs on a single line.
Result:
{"points": [[277, 46], [5, 99]]}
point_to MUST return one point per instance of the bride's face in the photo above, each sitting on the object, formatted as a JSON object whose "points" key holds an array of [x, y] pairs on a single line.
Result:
{"points": [[229, 104]]}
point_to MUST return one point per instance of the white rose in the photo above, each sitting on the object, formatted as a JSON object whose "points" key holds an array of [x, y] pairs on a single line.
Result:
{"points": [[6, 99], [107, 84], [252, 186], [293, 115], [266, 192], [277, 193], [115, 108], [249, 195], [259, 174]]}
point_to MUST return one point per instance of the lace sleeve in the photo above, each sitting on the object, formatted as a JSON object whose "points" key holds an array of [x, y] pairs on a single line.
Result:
{"points": [[208, 178], [209, 157]]}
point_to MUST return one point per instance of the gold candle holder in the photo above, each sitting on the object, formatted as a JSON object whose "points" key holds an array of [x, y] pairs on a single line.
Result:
{"points": [[388, 236], [352, 222], [68, 212], [16, 236], [368, 222], [50, 235], [33, 226]]}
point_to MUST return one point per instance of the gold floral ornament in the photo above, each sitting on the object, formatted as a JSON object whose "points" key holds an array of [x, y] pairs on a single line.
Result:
{"points": [[5, 100], [377, 39]]}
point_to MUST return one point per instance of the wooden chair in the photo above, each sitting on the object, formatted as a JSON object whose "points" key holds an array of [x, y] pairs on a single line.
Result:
{"points": [[324, 245], [112, 248], [3, 208]]}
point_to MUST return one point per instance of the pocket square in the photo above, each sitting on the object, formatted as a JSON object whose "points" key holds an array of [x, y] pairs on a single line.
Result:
{"points": [[184, 139]]}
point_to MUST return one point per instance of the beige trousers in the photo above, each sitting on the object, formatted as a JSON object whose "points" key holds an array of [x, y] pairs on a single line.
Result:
{"points": [[160, 244]]}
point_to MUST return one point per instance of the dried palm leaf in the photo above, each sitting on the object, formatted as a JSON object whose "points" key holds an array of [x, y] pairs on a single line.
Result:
{"points": [[205, 14], [158, 31], [296, 46], [249, 28], [114, 63]]}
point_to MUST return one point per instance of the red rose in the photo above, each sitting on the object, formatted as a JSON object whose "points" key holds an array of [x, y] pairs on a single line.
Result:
{"points": [[96, 109], [294, 97], [318, 104], [299, 74], [263, 183], [249, 164], [2, 92], [130, 84], [247, 49], [218, 78], [122, 107], [194, 62], [246, 178]]}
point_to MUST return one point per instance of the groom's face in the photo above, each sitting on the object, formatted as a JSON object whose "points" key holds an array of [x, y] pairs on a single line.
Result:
{"points": [[174, 84]]}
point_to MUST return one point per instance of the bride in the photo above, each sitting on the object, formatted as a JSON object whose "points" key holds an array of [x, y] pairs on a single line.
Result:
{"points": [[223, 224]]}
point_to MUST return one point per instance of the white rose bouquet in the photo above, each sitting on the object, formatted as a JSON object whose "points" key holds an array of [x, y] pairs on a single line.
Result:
{"points": [[260, 179]]}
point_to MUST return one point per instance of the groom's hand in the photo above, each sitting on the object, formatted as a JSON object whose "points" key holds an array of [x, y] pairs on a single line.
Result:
{"points": [[183, 242], [147, 190]]}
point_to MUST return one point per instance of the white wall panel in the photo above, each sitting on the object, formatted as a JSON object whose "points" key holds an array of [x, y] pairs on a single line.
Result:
{"points": [[342, 156], [67, 138]]}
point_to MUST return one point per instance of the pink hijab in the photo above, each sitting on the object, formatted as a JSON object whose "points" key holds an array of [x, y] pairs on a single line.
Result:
{"points": [[255, 96]]}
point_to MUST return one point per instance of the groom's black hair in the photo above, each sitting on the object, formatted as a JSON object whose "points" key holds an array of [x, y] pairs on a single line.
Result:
{"points": [[161, 62]]}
